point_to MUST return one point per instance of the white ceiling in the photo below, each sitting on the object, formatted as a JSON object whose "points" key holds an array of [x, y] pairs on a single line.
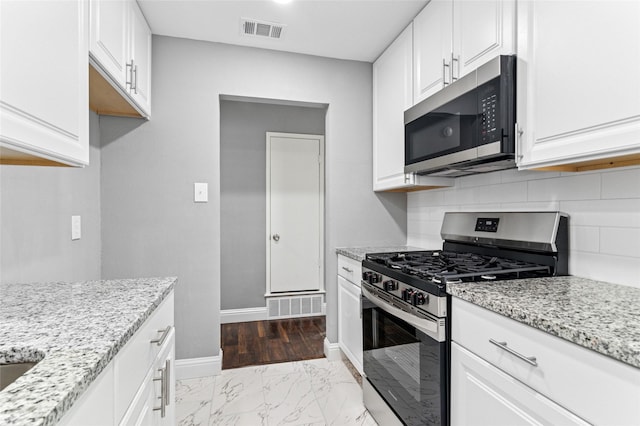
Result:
{"points": [[344, 29]]}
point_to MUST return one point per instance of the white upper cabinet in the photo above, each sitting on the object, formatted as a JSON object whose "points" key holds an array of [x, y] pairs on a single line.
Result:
{"points": [[578, 88], [482, 30], [120, 50], [108, 41], [432, 48], [454, 37], [392, 95], [44, 116], [140, 89]]}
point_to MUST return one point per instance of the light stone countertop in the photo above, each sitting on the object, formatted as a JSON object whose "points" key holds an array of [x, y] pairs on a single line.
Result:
{"points": [[74, 330], [358, 253], [600, 316]]}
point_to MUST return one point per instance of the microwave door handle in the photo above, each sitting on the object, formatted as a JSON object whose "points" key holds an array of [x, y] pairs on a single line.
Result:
{"points": [[427, 326]]}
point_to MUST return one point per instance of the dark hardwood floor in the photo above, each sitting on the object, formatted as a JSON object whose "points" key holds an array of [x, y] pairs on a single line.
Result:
{"points": [[273, 341]]}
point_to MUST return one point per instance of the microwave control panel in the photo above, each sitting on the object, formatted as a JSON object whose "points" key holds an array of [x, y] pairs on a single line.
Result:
{"points": [[488, 119]]}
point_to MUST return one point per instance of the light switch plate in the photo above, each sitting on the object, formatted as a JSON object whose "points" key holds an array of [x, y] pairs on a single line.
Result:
{"points": [[76, 228], [201, 192]]}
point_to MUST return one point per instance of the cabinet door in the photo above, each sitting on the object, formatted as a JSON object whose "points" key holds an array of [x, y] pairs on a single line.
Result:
{"points": [[432, 47], [483, 395], [392, 95], [109, 39], [482, 30], [349, 322], [145, 408], [44, 86], [140, 89], [578, 89]]}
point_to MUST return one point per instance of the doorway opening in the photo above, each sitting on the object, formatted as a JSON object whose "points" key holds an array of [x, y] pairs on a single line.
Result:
{"points": [[244, 295]]}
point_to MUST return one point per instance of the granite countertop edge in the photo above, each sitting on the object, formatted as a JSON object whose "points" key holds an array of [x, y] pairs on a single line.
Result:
{"points": [[74, 368], [592, 314]]}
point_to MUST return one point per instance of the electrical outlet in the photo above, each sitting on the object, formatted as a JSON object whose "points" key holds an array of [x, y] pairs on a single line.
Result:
{"points": [[200, 192], [76, 228]]}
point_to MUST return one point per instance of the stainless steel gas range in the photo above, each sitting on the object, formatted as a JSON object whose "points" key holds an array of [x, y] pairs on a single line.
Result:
{"points": [[405, 307]]}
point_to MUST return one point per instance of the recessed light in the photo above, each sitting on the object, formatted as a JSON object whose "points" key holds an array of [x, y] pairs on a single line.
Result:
{"points": [[283, 1]]}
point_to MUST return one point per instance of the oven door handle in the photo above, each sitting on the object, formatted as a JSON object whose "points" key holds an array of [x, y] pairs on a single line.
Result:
{"points": [[427, 326]]}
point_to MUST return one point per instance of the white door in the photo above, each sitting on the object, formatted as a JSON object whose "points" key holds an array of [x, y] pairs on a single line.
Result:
{"points": [[294, 212]]}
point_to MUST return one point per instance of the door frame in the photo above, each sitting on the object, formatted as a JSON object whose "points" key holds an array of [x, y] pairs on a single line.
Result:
{"points": [[321, 194]]}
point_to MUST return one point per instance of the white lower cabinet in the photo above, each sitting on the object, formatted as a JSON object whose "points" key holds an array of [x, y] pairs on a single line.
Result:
{"points": [[154, 403], [504, 372], [481, 394], [138, 386], [349, 320], [350, 323]]}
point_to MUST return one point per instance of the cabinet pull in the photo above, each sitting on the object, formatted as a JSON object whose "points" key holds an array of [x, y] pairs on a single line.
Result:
{"points": [[503, 345], [349, 270], [163, 385], [135, 79], [454, 59], [163, 337], [129, 67], [517, 133], [444, 72], [167, 382]]}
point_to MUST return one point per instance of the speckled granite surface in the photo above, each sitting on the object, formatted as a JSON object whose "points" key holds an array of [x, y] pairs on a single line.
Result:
{"points": [[600, 316], [358, 253], [73, 330]]}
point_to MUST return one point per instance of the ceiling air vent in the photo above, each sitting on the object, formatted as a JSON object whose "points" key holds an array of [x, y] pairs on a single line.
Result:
{"points": [[253, 27]]}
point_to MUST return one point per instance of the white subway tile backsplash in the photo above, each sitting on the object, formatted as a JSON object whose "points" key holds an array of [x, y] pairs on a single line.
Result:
{"points": [[514, 175], [531, 206], [574, 187], [620, 242], [479, 180], [616, 213], [584, 238], [613, 269], [621, 184]]}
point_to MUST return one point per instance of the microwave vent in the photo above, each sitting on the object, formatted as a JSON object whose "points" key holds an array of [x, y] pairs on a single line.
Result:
{"points": [[256, 28]]}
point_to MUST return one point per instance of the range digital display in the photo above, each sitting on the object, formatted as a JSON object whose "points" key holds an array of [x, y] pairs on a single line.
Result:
{"points": [[485, 224]]}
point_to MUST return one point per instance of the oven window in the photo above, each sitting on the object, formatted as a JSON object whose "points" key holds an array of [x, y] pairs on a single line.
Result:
{"points": [[407, 367]]}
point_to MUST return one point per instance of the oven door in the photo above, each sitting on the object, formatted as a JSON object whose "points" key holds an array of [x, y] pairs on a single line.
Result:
{"points": [[405, 359]]}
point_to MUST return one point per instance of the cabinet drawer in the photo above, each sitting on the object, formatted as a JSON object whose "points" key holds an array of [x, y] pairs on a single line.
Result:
{"points": [[597, 388], [134, 360], [350, 269]]}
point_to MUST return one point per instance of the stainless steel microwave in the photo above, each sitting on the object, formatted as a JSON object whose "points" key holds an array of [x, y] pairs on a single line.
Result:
{"points": [[467, 127]]}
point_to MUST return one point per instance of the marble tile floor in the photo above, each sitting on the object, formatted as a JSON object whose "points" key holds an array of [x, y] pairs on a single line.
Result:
{"points": [[315, 392]]}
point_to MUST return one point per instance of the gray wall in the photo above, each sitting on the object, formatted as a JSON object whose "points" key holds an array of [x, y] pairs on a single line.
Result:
{"points": [[151, 225], [243, 192], [36, 205]]}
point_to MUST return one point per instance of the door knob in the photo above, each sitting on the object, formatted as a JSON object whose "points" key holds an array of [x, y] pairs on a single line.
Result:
{"points": [[276, 237]]}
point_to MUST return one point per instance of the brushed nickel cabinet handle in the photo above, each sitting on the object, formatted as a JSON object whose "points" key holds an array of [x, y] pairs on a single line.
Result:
{"points": [[503, 345], [444, 72], [276, 237], [454, 59], [163, 386], [129, 67], [163, 337], [167, 394], [349, 270]]}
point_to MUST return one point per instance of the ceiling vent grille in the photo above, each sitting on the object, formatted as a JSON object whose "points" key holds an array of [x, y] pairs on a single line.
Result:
{"points": [[253, 27]]}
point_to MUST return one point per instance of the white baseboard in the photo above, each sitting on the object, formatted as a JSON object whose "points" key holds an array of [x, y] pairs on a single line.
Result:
{"points": [[228, 316], [191, 368], [332, 350]]}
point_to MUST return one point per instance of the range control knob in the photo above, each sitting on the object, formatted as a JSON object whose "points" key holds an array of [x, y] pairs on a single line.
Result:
{"points": [[407, 294], [374, 278], [390, 285], [419, 298], [366, 275]]}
